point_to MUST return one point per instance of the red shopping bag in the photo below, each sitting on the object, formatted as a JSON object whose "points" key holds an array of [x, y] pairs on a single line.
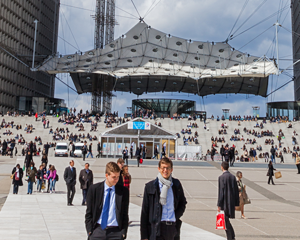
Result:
{"points": [[220, 221], [141, 161]]}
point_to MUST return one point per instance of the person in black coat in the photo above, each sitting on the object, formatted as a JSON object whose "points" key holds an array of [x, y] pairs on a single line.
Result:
{"points": [[4, 147], [44, 160], [154, 208], [70, 179], [228, 197], [99, 150], [231, 154], [28, 159], [96, 226], [226, 154], [138, 155], [17, 178], [125, 156], [86, 179], [84, 151], [222, 150], [271, 172], [131, 152]]}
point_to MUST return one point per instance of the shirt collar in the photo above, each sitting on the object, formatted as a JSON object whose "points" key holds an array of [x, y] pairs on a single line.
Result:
{"points": [[107, 187]]}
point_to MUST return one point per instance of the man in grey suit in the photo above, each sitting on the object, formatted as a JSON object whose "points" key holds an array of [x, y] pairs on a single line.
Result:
{"points": [[70, 179], [228, 198]]}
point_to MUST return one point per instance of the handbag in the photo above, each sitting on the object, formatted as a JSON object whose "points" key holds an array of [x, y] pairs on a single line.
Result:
{"points": [[12, 176], [220, 221], [141, 161], [246, 198], [278, 175]]}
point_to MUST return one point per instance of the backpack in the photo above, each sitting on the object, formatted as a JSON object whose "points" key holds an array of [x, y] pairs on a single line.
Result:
{"points": [[56, 178]]}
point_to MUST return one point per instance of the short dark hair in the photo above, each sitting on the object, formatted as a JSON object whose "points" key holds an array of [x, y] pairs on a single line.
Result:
{"points": [[165, 160], [87, 164], [225, 165]]}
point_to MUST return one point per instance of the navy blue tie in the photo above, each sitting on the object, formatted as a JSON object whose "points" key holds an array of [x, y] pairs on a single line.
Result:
{"points": [[105, 210]]}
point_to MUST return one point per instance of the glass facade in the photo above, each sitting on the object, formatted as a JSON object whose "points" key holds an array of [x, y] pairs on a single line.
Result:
{"points": [[40, 104], [112, 147], [165, 107], [287, 109]]}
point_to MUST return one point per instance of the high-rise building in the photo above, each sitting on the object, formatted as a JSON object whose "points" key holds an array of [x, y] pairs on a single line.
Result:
{"points": [[17, 29], [295, 8]]}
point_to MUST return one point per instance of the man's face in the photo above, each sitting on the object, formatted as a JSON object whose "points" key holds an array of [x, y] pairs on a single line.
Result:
{"points": [[112, 178], [121, 165], [86, 166], [165, 170], [72, 163]]}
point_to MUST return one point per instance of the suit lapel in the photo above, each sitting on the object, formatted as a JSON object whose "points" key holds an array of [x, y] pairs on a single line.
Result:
{"points": [[100, 200], [118, 197]]}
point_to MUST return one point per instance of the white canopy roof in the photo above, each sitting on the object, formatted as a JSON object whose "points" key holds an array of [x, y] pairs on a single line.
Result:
{"points": [[147, 51]]}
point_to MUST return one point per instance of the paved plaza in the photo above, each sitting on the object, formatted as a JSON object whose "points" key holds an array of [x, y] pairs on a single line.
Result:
{"points": [[272, 214]]}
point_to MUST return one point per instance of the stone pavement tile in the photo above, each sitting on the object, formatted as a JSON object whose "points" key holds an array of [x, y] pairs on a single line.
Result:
{"points": [[7, 232]]}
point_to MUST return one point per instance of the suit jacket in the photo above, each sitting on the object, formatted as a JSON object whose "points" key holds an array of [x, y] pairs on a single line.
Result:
{"points": [[86, 179], [152, 209], [70, 176], [125, 153], [94, 202], [228, 196]]}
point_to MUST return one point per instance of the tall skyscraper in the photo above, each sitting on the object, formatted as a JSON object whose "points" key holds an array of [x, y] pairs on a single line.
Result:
{"points": [[295, 8], [17, 30]]}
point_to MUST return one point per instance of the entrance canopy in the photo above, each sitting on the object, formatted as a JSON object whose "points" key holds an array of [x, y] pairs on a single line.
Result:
{"points": [[138, 133], [147, 60]]}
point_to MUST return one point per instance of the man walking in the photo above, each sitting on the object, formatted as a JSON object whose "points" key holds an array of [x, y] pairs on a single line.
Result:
{"points": [[228, 198], [232, 155], [222, 150], [131, 152], [273, 152], [72, 147], [163, 205], [226, 154], [106, 215], [125, 155], [90, 152], [70, 179], [99, 150], [84, 151], [86, 179]]}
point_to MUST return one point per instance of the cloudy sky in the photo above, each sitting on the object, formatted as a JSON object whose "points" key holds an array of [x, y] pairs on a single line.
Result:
{"points": [[249, 21]]}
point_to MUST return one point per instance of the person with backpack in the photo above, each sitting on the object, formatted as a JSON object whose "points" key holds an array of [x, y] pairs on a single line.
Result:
{"points": [[53, 177]]}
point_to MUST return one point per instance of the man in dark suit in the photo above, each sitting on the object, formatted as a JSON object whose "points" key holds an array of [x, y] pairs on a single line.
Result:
{"points": [[70, 179], [228, 198], [163, 205], [106, 215], [125, 156], [226, 154], [232, 155], [84, 150], [86, 179]]}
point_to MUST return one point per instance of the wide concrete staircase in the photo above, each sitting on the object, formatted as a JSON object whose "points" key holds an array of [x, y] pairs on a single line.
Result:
{"points": [[170, 125]]}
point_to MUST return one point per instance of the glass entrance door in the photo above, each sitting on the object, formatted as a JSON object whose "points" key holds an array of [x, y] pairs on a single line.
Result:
{"points": [[149, 149]]}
